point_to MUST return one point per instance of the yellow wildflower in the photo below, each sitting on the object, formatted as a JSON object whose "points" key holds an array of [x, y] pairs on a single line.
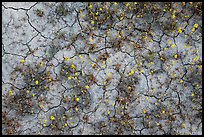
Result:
{"points": [[67, 58], [131, 72], [41, 63], [90, 6], [90, 39], [87, 86], [121, 18], [109, 74], [108, 112], [180, 30], [73, 66], [192, 94], [175, 56], [173, 16], [36, 82], [76, 108], [77, 99], [80, 56], [92, 22], [10, 92], [52, 118], [22, 61], [152, 63], [195, 26], [181, 81], [173, 45], [70, 77]]}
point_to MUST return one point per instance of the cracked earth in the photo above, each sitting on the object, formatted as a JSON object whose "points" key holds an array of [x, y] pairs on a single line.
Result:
{"points": [[102, 68]]}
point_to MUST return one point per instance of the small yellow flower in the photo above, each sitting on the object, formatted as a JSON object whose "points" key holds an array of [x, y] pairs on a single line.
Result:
{"points": [[173, 45], [45, 121], [90, 6], [73, 66], [145, 111], [70, 77], [163, 112], [100, 9], [41, 63], [131, 72], [181, 81], [157, 123], [195, 26], [142, 71], [87, 86], [173, 16], [175, 56], [76, 108], [33, 95], [36, 82], [27, 91], [22, 61], [115, 3], [10, 93], [44, 125], [96, 13], [193, 29], [180, 30], [109, 74], [77, 99], [92, 65], [108, 112], [65, 124], [191, 3], [90, 39], [192, 94], [80, 56], [67, 58], [152, 63], [92, 22], [52, 118]]}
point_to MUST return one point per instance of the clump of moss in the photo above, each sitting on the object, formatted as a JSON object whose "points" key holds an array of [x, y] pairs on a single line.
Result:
{"points": [[40, 13]]}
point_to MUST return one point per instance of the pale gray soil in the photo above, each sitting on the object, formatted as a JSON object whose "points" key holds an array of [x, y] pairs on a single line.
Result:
{"points": [[102, 68]]}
